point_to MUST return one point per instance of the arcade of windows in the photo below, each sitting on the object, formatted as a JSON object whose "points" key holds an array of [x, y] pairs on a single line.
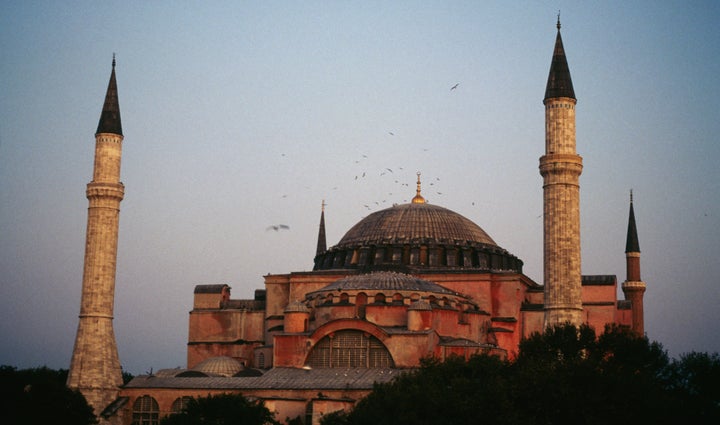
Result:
{"points": [[349, 349]]}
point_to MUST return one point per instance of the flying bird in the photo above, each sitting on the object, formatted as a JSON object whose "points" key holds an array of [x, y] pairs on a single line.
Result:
{"points": [[454, 87], [277, 227]]}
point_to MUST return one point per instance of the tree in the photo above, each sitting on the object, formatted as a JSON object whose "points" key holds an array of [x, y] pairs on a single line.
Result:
{"points": [[567, 375], [223, 409], [39, 396], [451, 392], [693, 379]]}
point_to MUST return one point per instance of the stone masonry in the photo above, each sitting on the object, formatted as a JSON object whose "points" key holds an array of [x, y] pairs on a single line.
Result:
{"points": [[95, 367]]}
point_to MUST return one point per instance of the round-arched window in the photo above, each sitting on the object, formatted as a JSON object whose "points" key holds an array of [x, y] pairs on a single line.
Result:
{"points": [[349, 349]]}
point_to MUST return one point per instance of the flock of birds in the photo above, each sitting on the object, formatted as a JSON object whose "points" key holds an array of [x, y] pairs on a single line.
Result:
{"points": [[399, 176]]}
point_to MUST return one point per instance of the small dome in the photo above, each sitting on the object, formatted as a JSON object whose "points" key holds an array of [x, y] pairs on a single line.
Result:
{"points": [[296, 307], [385, 282], [223, 366], [420, 305]]}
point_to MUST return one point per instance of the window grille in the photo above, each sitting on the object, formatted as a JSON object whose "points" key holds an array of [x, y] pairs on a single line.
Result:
{"points": [[350, 349], [145, 411]]}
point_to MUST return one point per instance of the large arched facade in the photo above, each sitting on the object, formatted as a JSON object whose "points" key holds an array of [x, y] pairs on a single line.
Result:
{"points": [[349, 348]]}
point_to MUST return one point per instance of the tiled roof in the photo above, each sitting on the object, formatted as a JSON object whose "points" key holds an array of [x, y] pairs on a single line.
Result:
{"points": [[278, 378], [559, 83], [110, 116], [415, 222], [385, 281]]}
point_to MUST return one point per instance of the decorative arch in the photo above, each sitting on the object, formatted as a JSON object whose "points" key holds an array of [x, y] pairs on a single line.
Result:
{"points": [[349, 348], [145, 411]]}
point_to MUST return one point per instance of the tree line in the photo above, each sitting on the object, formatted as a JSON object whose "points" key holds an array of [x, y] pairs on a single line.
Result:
{"points": [[566, 375]]}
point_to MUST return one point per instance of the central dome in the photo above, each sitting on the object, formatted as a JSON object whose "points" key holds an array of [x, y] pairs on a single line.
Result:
{"points": [[416, 222], [416, 236]]}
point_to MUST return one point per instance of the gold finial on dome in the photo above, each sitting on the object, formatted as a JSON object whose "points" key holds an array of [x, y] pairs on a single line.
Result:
{"points": [[418, 199]]}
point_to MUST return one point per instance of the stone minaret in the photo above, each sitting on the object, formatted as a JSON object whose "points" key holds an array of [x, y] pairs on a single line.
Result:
{"points": [[634, 287], [560, 168], [95, 366]]}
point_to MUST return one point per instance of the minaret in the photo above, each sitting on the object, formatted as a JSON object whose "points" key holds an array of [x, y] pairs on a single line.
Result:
{"points": [[322, 241], [560, 168], [95, 366], [634, 287]]}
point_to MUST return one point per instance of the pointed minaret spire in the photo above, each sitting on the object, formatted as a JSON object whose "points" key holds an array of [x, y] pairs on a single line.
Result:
{"points": [[634, 287], [559, 83], [110, 116], [632, 244], [321, 243]]}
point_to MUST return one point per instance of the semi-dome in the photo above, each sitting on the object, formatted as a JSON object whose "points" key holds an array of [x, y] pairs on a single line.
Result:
{"points": [[413, 236]]}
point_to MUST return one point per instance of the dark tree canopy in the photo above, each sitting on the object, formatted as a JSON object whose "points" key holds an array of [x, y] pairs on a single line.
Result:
{"points": [[566, 375], [39, 396], [223, 409]]}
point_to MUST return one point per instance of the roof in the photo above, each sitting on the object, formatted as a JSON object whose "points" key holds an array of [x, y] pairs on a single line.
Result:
{"points": [[209, 289], [222, 365], [385, 281], [322, 240], [632, 244], [278, 378], [559, 83], [414, 222], [415, 236], [296, 307], [110, 116]]}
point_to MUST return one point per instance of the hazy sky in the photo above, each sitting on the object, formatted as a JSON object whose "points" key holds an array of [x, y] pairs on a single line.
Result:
{"points": [[241, 115]]}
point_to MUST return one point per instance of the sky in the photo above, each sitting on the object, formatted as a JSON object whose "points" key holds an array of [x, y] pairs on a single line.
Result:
{"points": [[242, 115]]}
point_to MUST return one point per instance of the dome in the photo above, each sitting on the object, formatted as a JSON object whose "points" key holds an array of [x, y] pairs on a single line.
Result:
{"points": [[416, 236], [415, 222], [420, 305], [384, 282], [296, 307], [223, 366]]}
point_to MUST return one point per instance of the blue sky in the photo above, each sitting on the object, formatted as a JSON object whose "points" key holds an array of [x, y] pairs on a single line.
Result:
{"points": [[241, 115]]}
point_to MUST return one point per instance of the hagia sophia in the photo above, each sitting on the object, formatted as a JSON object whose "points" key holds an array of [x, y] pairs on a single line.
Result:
{"points": [[404, 283]]}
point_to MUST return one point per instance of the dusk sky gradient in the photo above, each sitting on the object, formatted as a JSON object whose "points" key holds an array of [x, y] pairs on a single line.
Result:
{"points": [[242, 115]]}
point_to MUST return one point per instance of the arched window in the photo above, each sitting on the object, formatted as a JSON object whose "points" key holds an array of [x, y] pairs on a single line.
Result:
{"points": [[360, 302], [145, 411], [397, 299], [379, 298], [344, 298], [349, 349], [180, 404]]}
